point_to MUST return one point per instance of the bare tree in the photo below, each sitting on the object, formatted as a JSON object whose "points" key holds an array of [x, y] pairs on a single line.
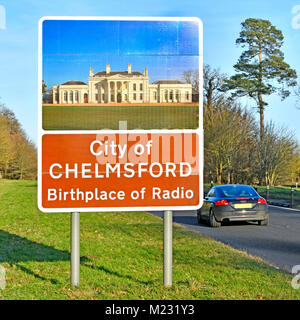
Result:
{"points": [[213, 80], [6, 147], [17, 153], [25, 161], [192, 77], [276, 154], [229, 143], [293, 174]]}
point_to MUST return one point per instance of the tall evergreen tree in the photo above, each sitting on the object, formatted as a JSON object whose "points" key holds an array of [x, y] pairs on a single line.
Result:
{"points": [[261, 69]]}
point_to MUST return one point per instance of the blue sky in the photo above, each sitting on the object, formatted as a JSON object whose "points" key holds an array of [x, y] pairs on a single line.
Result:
{"points": [[70, 48], [221, 20]]}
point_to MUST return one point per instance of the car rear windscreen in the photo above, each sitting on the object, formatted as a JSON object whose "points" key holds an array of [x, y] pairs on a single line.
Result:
{"points": [[236, 191]]}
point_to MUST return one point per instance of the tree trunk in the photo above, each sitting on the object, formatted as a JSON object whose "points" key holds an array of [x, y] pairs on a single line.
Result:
{"points": [[262, 118], [260, 100], [228, 177], [209, 94], [219, 173]]}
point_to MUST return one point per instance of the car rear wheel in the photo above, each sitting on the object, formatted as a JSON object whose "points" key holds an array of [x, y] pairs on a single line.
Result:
{"points": [[212, 220], [264, 222]]}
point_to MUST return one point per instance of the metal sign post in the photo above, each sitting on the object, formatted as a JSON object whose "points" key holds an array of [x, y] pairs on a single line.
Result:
{"points": [[168, 248], [75, 249]]}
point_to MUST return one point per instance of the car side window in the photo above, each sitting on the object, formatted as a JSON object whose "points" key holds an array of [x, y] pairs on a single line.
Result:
{"points": [[212, 193]]}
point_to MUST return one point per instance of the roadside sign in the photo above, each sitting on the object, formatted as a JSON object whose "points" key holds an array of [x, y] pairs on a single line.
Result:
{"points": [[98, 72], [112, 171]]}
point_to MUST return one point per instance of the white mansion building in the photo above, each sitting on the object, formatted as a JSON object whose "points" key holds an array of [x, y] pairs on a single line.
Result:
{"points": [[122, 87]]}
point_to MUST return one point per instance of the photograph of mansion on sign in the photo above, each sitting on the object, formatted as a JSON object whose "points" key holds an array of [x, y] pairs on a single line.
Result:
{"points": [[122, 87]]}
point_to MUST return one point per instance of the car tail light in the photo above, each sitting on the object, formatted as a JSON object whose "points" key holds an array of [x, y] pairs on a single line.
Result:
{"points": [[221, 203], [261, 201]]}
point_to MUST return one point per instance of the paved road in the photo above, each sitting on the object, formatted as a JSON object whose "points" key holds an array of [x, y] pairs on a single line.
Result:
{"points": [[278, 243]]}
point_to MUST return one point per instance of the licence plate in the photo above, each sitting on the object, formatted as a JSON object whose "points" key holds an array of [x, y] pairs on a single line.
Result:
{"points": [[243, 206]]}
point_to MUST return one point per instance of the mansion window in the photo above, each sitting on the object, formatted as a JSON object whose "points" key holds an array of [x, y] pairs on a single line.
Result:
{"points": [[134, 87], [171, 95], [134, 96], [76, 96], [65, 96], [166, 95], [141, 86], [187, 95], [56, 96], [71, 96], [154, 95], [141, 96]]}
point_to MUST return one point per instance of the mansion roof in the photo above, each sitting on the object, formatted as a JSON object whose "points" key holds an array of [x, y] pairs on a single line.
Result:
{"points": [[112, 73], [72, 83], [102, 73], [127, 74]]}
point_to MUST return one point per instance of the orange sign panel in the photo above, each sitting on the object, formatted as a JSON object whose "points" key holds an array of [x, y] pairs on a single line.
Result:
{"points": [[101, 172]]}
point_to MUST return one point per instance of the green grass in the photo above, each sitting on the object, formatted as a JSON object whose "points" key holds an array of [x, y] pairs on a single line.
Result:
{"points": [[280, 192], [108, 117], [121, 257]]}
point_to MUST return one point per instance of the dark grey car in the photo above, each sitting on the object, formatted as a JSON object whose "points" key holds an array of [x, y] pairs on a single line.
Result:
{"points": [[233, 202]]}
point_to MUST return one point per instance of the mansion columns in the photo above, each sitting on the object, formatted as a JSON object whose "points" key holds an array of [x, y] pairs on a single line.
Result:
{"points": [[121, 87]]}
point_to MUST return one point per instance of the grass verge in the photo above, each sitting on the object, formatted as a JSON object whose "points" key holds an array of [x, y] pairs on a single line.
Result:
{"points": [[107, 116], [121, 257], [280, 192]]}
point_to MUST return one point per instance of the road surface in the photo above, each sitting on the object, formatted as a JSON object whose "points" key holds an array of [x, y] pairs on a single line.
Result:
{"points": [[278, 243]]}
